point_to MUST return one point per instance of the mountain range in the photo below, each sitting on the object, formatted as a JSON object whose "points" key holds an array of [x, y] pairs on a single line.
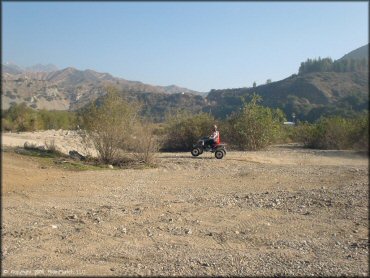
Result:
{"points": [[71, 89], [307, 95]]}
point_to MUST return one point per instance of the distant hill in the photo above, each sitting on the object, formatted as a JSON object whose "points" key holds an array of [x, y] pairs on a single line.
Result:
{"points": [[323, 87], [71, 89], [308, 96], [11, 69], [358, 54], [42, 68]]}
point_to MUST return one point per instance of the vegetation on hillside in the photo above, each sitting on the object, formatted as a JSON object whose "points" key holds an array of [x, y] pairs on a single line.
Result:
{"points": [[328, 65], [157, 106], [309, 96]]}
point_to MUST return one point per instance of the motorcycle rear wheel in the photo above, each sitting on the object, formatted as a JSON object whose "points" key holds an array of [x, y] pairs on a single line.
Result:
{"points": [[219, 154]]}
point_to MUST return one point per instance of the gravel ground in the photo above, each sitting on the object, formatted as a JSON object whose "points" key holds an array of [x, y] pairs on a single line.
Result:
{"points": [[285, 211]]}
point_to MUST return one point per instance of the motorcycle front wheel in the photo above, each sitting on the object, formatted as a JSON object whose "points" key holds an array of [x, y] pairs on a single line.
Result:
{"points": [[196, 152]]}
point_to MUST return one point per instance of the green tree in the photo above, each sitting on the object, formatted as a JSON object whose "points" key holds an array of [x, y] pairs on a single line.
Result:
{"points": [[254, 127]]}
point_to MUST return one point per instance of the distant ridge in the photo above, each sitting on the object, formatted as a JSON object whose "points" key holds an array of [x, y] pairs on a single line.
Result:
{"points": [[358, 54], [72, 89], [42, 68], [12, 68]]}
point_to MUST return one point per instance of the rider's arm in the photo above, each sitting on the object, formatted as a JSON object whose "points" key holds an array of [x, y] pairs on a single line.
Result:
{"points": [[214, 135]]}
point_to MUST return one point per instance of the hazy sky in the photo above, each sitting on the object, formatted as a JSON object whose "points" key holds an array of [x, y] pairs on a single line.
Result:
{"points": [[198, 45]]}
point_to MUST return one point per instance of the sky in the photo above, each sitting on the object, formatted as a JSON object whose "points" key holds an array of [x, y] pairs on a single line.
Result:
{"points": [[197, 45]]}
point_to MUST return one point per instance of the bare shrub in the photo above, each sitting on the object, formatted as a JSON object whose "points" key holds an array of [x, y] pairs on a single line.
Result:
{"points": [[86, 141], [109, 124], [144, 144], [50, 145]]}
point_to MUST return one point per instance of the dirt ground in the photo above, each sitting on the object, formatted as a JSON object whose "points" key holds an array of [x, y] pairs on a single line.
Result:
{"points": [[282, 211]]}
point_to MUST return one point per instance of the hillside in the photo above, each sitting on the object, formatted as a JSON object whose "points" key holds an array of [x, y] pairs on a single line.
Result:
{"points": [[308, 96], [322, 87], [358, 54], [11, 69], [71, 89]]}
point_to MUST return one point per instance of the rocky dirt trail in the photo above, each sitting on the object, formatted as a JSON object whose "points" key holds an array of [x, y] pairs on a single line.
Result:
{"points": [[283, 211]]}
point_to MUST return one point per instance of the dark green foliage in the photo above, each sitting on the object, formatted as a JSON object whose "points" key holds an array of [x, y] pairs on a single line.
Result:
{"points": [[58, 120], [287, 134], [20, 117], [316, 65], [254, 127], [183, 129], [335, 133], [332, 133], [327, 65], [359, 137]]}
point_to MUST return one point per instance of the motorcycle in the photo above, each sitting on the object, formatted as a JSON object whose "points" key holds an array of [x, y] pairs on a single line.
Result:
{"points": [[201, 146]]}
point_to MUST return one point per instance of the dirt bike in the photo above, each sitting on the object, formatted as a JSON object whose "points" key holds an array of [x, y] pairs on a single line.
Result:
{"points": [[202, 146]]}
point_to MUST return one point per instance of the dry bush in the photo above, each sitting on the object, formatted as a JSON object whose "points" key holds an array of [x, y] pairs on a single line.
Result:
{"points": [[144, 144], [86, 141], [184, 129], [109, 125], [114, 129], [50, 145]]}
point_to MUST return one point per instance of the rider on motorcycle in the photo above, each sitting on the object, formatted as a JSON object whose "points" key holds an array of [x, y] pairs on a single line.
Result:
{"points": [[214, 139]]}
